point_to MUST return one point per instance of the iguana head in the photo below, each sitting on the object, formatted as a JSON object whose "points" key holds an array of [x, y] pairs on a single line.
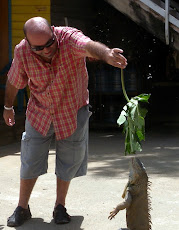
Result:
{"points": [[137, 171]]}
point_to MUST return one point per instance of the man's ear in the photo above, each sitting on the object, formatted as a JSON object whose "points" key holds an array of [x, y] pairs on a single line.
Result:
{"points": [[52, 28], [26, 39]]}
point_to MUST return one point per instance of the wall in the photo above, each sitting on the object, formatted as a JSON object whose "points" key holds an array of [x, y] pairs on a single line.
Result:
{"points": [[4, 35], [78, 13], [3, 43], [22, 11]]}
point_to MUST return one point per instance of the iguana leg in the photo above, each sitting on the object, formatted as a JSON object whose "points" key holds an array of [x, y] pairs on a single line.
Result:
{"points": [[121, 206], [125, 190]]}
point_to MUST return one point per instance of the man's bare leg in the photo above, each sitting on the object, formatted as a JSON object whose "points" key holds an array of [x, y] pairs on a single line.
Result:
{"points": [[22, 212], [26, 187], [62, 189], [60, 214]]}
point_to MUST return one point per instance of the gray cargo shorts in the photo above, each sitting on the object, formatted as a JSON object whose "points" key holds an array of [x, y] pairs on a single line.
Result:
{"points": [[71, 153]]}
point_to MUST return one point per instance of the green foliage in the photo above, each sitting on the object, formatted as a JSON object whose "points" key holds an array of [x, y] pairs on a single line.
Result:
{"points": [[132, 118]]}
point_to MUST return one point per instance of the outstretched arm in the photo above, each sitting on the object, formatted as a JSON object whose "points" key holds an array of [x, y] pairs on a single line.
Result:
{"points": [[100, 51], [121, 206]]}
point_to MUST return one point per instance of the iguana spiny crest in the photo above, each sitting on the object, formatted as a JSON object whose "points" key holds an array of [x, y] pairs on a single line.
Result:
{"points": [[137, 201]]}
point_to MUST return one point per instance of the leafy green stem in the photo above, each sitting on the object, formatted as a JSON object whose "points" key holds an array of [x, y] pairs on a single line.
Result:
{"points": [[123, 86], [132, 118]]}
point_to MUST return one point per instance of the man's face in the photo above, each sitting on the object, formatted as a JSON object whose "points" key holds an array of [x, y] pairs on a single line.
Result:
{"points": [[43, 44]]}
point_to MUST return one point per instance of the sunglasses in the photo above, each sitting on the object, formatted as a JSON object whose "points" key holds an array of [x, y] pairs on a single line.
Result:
{"points": [[48, 44]]}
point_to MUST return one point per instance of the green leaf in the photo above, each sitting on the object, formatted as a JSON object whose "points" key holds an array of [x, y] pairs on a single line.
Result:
{"points": [[142, 97], [138, 146], [125, 108], [131, 124], [140, 135], [122, 118], [142, 111], [133, 112], [132, 118], [140, 122], [134, 101], [127, 143], [130, 105]]}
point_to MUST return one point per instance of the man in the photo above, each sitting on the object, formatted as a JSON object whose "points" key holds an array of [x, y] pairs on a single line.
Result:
{"points": [[51, 60]]}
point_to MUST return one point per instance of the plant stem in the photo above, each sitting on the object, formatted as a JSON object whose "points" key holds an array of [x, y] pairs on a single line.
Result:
{"points": [[123, 86]]}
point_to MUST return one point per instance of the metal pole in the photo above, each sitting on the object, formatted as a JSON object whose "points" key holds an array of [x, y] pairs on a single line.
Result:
{"points": [[167, 5], [66, 21]]}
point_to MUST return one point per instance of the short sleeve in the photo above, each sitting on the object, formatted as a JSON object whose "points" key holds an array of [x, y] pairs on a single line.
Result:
{"points": [[17, 75], [78, 42], [76, 39]]}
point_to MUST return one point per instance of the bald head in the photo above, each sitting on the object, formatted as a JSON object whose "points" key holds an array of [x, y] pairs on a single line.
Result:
{"points": [[36, 25]]}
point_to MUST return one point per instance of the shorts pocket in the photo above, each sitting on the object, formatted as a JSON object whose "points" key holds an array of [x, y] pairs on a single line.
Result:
{"points": [[82, 125], [24, 143]]}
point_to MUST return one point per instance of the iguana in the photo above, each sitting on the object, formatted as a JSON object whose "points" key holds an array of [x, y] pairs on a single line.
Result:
{"points": [[137, 201]]}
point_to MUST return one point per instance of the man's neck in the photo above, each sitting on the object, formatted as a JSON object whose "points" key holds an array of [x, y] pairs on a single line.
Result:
{"points": [[46, 59]]}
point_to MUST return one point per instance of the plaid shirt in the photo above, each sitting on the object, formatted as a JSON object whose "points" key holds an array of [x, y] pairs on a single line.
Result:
{"points": [[57, 90]]}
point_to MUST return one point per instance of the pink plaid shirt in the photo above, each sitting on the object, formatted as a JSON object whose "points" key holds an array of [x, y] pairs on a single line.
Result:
{"points": [[57, 90]]}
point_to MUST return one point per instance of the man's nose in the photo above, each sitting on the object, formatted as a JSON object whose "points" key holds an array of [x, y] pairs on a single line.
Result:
{"points": [[46, 49]]}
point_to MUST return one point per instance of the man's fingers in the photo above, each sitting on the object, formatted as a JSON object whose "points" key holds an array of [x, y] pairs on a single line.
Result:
{"points": [[119, 57], [117, 50], [119, 60], [118, 64], [9, 117], [11, 122]]}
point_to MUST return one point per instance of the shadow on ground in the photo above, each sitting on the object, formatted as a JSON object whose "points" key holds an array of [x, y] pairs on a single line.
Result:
{"points": [[106, 153], [160, 153], [38, 223]]}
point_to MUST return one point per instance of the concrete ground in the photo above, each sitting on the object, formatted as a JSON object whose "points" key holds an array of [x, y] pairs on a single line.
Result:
{"points": [[92, 197]]}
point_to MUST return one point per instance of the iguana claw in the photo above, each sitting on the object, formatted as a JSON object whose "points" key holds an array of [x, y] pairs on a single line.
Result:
{"points": [[113, 214]]}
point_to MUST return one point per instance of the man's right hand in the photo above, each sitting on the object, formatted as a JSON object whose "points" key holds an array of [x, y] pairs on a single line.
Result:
{"points": [[9, 117]]}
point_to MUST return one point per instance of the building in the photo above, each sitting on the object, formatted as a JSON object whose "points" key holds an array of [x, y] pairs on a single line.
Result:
{"points": [[147, 31]]}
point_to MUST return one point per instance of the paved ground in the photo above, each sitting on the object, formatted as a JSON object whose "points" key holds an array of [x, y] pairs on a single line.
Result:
{"points": [[92, 197]]}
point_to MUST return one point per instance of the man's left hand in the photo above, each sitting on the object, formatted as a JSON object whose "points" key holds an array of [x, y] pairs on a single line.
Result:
{"points": [[115, 58]]}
